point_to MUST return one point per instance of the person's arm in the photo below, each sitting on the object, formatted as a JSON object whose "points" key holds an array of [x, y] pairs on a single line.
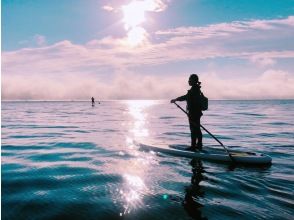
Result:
{"points": [[181, 98]]}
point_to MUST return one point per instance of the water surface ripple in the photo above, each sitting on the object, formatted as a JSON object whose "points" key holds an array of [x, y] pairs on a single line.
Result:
{"points": [[69, 160]]}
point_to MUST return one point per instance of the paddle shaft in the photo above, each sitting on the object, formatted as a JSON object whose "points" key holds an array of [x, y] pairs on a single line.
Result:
{"points": [[206, 131]]}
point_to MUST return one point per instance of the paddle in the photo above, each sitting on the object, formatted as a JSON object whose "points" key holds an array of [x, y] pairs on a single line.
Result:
{"points": [[230, 155]]}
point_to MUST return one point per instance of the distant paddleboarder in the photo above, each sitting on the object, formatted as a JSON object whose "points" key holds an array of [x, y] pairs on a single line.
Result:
{"points": [[193, 98], [93, 101]]}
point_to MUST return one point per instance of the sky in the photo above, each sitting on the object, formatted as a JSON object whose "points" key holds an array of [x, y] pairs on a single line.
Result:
{"points": [[146, 49]]}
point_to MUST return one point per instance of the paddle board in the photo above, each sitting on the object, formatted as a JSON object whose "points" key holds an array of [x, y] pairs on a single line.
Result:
{"points": [[249, 158]]}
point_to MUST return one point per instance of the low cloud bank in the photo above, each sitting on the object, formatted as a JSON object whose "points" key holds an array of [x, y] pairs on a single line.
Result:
{"points": [[272, 84]]}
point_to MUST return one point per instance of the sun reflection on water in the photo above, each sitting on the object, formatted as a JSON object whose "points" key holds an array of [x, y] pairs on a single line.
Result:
{"points": [[131, 193], [134, 170], [137, 111]]}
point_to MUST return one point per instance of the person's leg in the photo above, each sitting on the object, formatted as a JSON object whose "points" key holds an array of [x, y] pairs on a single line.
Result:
{"points": [[199, 134], [199, 137], [193, 135]]}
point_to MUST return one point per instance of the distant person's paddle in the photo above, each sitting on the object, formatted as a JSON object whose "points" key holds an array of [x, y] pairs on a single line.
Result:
{"points": [[230, 155]]}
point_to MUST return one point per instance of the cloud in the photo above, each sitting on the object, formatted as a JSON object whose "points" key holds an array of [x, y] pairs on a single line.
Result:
{"points": [[81, 86], [155, 5], [234, 27], [107, 8], [36, 41], [262, 61], [267, 59], [245, 40], [108, 67], [40, 40], [272, 84]]}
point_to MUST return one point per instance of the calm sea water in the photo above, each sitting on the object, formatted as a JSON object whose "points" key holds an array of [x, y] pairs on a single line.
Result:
{"points": [[69, 160]]}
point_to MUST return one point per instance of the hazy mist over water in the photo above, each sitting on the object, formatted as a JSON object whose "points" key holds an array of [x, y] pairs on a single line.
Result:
{"points": [[69, 160]]}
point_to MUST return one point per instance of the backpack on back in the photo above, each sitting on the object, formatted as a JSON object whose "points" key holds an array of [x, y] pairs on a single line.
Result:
{"points": [[203, 102]]}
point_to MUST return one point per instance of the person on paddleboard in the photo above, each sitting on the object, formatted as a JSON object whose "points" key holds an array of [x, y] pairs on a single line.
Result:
{"points": [[193, 98], [93, 101]]}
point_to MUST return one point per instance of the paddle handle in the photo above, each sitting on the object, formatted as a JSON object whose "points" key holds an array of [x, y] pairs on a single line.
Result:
{"points": [[207, 132]]}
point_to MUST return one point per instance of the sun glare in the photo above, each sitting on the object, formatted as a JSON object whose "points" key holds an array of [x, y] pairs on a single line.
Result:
{"points": [[133, 17], [134, 14], [136, 36]]}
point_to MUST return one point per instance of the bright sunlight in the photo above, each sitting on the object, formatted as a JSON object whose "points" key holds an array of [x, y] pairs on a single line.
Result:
{"points": [[134, 16], [136, 36]]}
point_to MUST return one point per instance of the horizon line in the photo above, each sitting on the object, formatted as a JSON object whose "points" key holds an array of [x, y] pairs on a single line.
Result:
{"points": [[103, 100]]}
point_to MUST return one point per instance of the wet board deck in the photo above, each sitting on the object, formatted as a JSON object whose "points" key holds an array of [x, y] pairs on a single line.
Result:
{"points": [[239, 157]]}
